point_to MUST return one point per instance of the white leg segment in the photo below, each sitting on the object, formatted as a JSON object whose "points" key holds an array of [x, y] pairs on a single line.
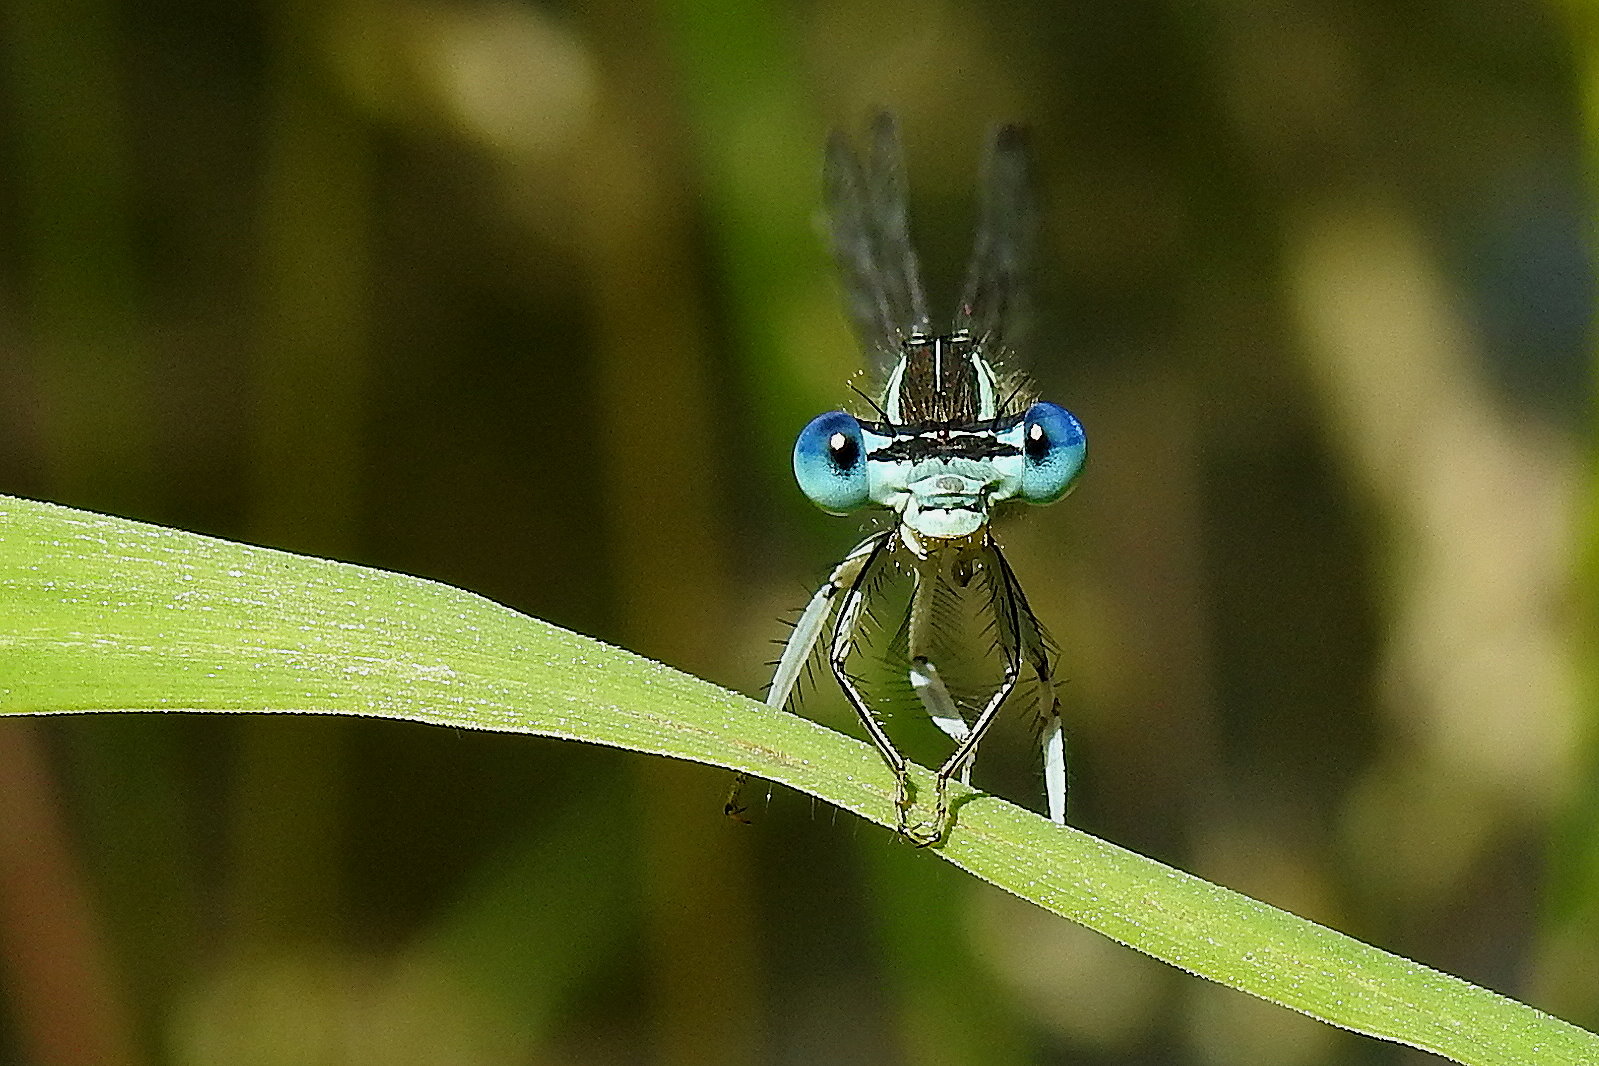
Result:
{"points": [[1055, 769], [801, 642], [1027, 637], [940, 705]]}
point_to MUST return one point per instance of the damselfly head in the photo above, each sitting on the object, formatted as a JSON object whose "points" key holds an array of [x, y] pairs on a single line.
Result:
{"points": [[942, 480]]}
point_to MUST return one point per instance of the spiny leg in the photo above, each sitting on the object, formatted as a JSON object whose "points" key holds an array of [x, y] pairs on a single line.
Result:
{"points": [[802, 642], [1017, 633], [838, 655], [1008, 625], [1034, 646], [966, 750]]}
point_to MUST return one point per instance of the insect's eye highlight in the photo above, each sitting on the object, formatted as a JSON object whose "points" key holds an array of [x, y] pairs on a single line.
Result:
{"points": [[1055, 447], [843, 450], [830, 463]]}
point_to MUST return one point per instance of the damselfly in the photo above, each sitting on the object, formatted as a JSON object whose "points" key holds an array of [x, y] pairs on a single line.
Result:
{"points": [[951, 438]]}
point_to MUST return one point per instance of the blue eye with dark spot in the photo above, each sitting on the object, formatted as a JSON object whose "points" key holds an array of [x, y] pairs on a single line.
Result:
{"points": [[1055, 447], [830, 463]]}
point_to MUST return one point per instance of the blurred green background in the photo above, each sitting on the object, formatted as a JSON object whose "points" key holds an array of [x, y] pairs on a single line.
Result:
{"points": [[531, 298]]}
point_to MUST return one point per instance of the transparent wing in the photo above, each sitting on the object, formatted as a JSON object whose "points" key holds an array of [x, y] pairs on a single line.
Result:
{"points": [[994, 295], [866, 206]]}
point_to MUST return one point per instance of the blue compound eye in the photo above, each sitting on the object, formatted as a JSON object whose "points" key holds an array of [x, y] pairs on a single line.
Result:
{"points": [[1055, 446], [830, 463]]}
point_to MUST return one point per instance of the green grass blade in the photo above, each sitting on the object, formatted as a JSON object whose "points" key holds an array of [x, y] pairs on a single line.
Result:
{"points": [[104, 614]]}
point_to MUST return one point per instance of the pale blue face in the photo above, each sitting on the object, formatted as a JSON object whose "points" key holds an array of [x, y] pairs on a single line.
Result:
{"points": [[942, 480]]}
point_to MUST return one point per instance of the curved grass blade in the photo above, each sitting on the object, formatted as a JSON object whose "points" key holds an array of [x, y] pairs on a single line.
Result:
{"points": [[105, 614]]}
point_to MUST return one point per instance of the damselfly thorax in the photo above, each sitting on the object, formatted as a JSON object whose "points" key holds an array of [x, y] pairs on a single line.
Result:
{"points": [[949, 441]]}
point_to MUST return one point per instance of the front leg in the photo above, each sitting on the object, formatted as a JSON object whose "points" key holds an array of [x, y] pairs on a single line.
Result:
{"points": [[802, 642], [838, 656], [960, 761]]}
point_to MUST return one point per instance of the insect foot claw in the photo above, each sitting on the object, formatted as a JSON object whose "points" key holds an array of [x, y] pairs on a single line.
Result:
{"points": [[925, 834]]}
